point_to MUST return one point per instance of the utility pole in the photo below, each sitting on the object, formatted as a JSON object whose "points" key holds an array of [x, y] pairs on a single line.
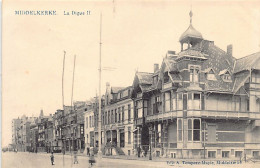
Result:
{"points": [[63, 148], [99, 104], [72, 115]]}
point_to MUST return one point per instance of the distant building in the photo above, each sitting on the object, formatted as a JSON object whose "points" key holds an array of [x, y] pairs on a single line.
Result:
{"points": [[117, 120]]}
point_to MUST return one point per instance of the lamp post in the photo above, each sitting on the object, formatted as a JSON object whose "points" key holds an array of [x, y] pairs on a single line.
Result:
{"points": [[150, 132]]}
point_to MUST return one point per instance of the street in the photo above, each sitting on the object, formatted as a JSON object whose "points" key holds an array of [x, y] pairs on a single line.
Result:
{"points": [[42, 160]]}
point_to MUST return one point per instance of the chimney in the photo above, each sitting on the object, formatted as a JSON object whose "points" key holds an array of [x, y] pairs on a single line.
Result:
{"points": [[155, 68], [107, 86], [229, 50]]}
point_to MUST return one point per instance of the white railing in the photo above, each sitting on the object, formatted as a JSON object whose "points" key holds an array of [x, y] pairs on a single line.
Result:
{"points": [[167, 85]]}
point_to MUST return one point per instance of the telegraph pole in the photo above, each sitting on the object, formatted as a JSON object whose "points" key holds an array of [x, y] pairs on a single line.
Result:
{"points": [[99, 107]]}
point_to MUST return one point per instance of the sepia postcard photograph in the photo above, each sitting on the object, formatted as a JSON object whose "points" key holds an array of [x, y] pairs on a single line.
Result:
{"points": [[130, 83]]}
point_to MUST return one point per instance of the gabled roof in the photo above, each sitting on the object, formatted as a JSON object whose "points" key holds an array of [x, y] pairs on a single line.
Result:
{"points": [[145, 78], [171, 63], [247, 63], [240, 79], [116, 89]]}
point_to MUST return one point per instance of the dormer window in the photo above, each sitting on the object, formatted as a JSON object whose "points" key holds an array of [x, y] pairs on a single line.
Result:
{"points": [[225, 75], [210, 75], [194, 73]]}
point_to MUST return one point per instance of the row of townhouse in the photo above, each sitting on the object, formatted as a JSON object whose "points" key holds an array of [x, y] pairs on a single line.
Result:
{"points": [[200, 103]]}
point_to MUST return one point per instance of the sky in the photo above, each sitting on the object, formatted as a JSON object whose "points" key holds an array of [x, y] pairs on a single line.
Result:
{"points": [[135, 35]]}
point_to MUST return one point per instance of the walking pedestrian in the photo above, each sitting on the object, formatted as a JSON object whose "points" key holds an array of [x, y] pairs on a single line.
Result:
{"points": [[52, 159]]}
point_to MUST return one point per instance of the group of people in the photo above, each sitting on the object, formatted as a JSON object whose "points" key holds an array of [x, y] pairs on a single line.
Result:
{"points": [[90, 153]]}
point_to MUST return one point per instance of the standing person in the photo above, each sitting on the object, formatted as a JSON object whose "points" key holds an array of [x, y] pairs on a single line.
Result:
{"points": [[138, 150], [88, 151], [91, 158], [52, 159], [75, 158]]}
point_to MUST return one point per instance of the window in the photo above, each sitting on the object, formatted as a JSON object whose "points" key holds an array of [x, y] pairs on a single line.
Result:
{"points": [[225, 154], [115, 116], [108, 122], [129, 135], [180, 130], [238, 154], [211, 154], [123, 113], [174, 96], [194, 74], [180, 102], [196, 130], [86, 122], [90, 122], [145, 107], [167, 105], [189, 129], [139, 109], [112, 116], [247, 105], [165, 77], [119, 114], [196, 101], [191, 73], [156, 104], [129, 112], [105, 122]]}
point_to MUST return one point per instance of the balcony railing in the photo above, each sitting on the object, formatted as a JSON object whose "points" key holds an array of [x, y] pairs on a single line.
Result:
{"points": [[204, 114], [167, 85], [223, 114]]}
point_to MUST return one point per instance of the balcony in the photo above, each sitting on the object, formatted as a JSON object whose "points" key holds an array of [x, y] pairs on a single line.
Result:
{"points": [[223, 114], [166, 115], [167, 85], [213, 114]]}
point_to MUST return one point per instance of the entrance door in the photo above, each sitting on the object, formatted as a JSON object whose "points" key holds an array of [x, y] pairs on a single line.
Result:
{"points": [[122, 139]]}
